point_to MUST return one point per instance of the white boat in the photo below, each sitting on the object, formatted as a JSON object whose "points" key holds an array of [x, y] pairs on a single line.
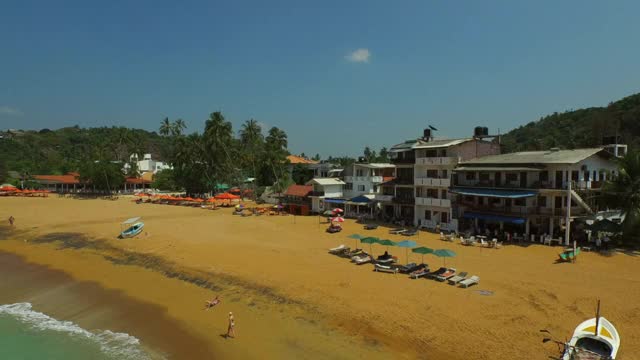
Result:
{"points": [[588, 343]]}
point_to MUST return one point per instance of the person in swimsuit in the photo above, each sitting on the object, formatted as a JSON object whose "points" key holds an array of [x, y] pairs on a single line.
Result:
{"points": [[11, 220], [232, 324], [213, 302]]}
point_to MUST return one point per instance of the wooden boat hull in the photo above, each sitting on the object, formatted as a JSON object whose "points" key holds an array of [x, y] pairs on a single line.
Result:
{"points": [[606, 343]]}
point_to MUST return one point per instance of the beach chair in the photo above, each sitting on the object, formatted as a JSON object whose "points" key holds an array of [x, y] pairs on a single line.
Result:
{"points": [[423, 271], [438, 272], [470, 281], [338, 249], [384, 268], [361, 259], [411, 232], [483, 243], [456, 279], [441, 235], [397, 231], [498, 244], [446, 275], [411, 267], [371, 226]]}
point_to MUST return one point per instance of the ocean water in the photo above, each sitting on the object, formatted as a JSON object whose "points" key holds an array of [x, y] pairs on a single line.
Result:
{"points": [[27, 334]]}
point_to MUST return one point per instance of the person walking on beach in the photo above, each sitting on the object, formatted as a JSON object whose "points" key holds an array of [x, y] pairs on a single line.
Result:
{"points": [[11, 220], [232, 324]]}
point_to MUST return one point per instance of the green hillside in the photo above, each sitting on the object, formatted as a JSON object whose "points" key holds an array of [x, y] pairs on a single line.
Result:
{"points": [[580, 128]]}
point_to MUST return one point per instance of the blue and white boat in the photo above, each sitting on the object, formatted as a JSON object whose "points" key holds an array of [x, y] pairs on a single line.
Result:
{"points": [[132, 227]]}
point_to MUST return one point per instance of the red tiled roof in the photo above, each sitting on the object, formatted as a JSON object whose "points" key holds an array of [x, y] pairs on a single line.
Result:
{"points": [[294, 159], [70, 178], [299, 190], [137, 181]]}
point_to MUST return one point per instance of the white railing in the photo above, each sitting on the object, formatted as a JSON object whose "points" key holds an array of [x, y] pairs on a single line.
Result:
{"points": [[427, 201], [434, 161], [383, 197], [373, 179], [421, 181]]}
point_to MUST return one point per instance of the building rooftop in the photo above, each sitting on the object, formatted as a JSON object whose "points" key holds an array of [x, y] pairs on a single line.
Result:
{"points": [[299, 190], [326, 181], [294, 159], [375, 165], [422, 144], [539, 157]]}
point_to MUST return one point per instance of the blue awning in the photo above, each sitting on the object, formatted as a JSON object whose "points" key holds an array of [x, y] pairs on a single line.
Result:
{"points": [[497, 193], [492, 217], [334, 201], [360, 199]]}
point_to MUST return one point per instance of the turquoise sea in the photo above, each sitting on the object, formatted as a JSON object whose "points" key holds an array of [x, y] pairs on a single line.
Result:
{"points": [[27, 334]]}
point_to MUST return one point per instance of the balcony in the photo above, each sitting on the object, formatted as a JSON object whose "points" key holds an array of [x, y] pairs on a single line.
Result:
{"points": [[385, 198], [316, 193], [372, 179], [436, 161], [432, 182], [521, 211], [427, 201], [404, 200], [403, 161]]}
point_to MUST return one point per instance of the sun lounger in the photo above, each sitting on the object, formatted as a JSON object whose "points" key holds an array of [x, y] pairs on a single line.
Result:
{"points": [[446, 275], [386, 261], [384, 268], [420, 272], [433, 274], [361, 258], [371, 226], [410, 267], [338, 249], [470, 281], [397, 231], [456, 279], [411, 232]]}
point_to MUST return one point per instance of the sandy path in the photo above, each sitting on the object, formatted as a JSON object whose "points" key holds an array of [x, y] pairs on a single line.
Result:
{"points": [[285, 259]]}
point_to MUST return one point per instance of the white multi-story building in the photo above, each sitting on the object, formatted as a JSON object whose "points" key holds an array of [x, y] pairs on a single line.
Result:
{"points": [[147, 164], [528, 192], [327, 193], [419, 193], [365, 178]]}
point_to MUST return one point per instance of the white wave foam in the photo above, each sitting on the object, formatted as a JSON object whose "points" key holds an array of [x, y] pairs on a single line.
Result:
{"points": [[114, 344]]}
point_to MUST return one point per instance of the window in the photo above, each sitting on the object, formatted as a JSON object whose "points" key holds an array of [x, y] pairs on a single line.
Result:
{"points": [[520, 202], [444, 217], [470, 175], [432, 193], [445, 174], [542, 201], [443, 194], [431, 153], [484, 176], [427, 214], [360, 187], [359, 172], [348, 186], [586, 175], [511, 177], [574, 175], [432, 174], [544, 176]]}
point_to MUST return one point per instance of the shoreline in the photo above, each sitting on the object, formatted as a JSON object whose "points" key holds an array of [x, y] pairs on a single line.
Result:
{"points": [[292, 299], [93, 307]]}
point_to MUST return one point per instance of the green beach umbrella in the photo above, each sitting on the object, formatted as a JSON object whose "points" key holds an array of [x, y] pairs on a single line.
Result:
{"points": [[369, 240], [356, 237], [327, 213], [422, 250], [407, 244], [444, 253], [387, 243]]}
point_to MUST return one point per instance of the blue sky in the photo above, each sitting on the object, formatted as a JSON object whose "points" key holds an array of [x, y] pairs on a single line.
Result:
{"points": [[335, 75]]}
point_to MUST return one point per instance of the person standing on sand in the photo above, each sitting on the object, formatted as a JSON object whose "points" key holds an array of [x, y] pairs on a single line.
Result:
{"points": [[232, 324], [11, 220]]}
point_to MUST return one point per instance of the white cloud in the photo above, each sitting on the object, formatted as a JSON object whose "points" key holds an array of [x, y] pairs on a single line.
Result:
{"points": [[359, 56], [7, 110]]}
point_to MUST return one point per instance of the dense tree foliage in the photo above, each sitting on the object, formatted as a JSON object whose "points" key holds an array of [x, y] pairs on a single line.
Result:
{"points": [[580, 128], [623, 192], [104, 176]]}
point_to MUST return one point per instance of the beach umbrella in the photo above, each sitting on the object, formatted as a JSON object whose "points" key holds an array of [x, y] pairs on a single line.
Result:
{"points": [[369, 240], [356, 237], [422, 250], [444, 254], [211, 200], [327, 213], [387, 243], [337, 219], [198, 200], [605, 225], [188, 198], [337, 210], [407, 244]]}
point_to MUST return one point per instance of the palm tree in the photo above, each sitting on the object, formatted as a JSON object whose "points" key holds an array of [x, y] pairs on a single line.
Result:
{"points": [[218, 143], [623, 192], [165, 127], [252, 142], [276, 155], [178, 126]]}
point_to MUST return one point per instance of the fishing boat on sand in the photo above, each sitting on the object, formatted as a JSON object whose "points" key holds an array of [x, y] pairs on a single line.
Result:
{"points": [[593, 339], [132, 227]]}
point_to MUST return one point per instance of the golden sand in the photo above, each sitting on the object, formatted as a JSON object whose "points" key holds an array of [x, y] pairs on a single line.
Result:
{"points": [[291, 299]]}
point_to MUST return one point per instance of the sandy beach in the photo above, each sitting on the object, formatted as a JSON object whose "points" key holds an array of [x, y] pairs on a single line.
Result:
{"points": [[291, 299]]}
